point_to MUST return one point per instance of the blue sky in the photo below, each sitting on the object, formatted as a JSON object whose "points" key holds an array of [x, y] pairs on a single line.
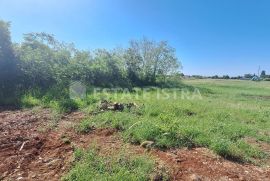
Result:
{"points": [[210, 36]]}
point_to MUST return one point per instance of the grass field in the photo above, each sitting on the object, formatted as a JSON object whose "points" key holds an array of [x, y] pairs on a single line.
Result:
{"points": [[91, 165], [230, 117]]}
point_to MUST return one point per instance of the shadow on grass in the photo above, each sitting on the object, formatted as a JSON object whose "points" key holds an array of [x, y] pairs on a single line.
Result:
{"points": [[9, 108]]}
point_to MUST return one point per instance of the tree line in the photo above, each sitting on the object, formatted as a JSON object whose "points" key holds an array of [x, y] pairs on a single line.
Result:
{"points": [[41, 62], [263, 76]]}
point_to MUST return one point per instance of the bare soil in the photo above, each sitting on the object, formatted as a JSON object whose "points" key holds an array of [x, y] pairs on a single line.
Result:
{"points": [[31, 149]]}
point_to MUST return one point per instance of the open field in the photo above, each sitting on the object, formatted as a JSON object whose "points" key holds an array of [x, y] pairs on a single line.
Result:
{"points": [[207, 129], [134, 90], [224, 116]]}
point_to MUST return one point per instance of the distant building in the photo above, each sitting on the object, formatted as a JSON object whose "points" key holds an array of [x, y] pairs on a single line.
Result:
{"points": [[256, 78]]}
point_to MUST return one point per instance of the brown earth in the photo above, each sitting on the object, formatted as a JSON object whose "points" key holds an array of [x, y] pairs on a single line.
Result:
{"points": [[34, 145]]}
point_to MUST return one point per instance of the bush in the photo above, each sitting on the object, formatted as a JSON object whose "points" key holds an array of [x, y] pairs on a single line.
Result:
{"points": [[61, 104], [29, 101], [67, 105]]}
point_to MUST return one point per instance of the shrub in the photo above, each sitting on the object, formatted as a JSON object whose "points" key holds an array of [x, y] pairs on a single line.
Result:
{"points": [[28, 101], [67, 105]]}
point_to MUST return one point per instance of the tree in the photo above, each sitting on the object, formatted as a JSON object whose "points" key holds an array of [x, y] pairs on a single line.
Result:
{"points": [[8, 67], [44, 60], [263, 74], [134, 64], [147, 59], [226, 77], [166, 62], [79, 67], [108, 68], [248, 76]]}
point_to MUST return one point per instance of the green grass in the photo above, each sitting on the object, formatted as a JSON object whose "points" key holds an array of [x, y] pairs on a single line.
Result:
{"points": [[227, 112], [90, 165], [59, 105], [84, 127], [220, 115], [29, 101]]}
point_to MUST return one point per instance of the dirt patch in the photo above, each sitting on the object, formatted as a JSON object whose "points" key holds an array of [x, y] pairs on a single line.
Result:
{"points": [[205, 165], [263, 146], [27, 153], [260, 144]]}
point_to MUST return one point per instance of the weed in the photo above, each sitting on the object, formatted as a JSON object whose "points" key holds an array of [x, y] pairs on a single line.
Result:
{"points": [[90, 165], [84, 126]]}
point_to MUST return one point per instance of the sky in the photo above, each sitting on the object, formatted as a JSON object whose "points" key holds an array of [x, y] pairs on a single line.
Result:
{"points": [[211, 37]]}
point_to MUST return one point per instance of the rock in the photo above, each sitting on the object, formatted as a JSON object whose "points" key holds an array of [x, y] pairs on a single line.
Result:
{"points": [[179, 160], [132, 104], [103, 105], [5, 174], [115, 106], [241, 178], [156, 177], [118, 107], [195, 177], [147, 144], [52, 162]]}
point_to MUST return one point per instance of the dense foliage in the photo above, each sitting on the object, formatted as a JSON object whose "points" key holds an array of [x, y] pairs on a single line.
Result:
{"points": [[8, 66], [44, 63]]}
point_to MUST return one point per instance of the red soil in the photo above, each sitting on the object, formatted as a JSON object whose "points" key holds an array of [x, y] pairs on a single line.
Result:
{"points": [[30, 150]]}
